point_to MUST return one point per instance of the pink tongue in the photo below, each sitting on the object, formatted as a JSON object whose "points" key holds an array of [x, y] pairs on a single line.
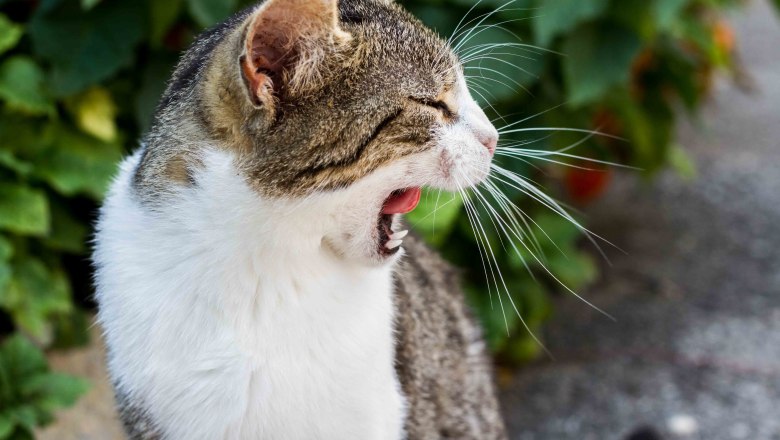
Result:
{"points": [[402, 202]]}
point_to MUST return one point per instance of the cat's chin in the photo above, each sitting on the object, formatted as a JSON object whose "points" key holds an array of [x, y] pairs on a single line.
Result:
{"points": [[382, 232]]}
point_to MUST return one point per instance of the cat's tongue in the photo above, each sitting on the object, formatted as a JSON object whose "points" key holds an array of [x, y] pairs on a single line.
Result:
{"points": [[403, 201]]}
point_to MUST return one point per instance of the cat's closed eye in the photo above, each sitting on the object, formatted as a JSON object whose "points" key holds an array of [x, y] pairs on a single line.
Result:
{"points": [[439, 105]]}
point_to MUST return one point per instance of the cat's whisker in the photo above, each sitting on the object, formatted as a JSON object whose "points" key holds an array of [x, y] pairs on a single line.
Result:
{"points": [[576, 130], [507, 142], [471, 78], [473, 218], [515, 229], [521, 184], [491, 52], [493, 56], [499, 26], [492, 213], [483, 256], [502, 74], [436, 209], [538, 154], [490, 48], [523, 156], [506, 204], [528, 118], [471, 30], [458, 32], [480, 68], [475, 191], [457, 29], [479, 89], [489, 102], [513, 211]]}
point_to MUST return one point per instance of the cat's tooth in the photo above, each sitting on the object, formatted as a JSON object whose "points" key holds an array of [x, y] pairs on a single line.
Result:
{"points": [[392, 244], [399, 235]]}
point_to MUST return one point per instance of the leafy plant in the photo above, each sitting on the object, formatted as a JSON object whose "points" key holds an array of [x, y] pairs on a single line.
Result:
{"points": [[79, 80], [29, 392]]}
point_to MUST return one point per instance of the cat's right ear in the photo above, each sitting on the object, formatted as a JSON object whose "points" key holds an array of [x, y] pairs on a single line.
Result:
{"points": [[285, 45]]}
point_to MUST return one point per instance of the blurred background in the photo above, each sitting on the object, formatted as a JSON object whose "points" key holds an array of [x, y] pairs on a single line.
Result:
{"points": [[682, 96]]}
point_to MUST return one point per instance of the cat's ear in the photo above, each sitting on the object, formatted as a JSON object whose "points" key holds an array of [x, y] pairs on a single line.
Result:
{"points": [[286, 43]]}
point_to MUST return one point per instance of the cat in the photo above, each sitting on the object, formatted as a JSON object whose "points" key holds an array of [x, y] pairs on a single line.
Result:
{"points": [[254, 277]]}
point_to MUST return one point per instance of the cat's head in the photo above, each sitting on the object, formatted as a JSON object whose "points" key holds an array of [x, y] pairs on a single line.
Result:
{"points": [[353, 105]]}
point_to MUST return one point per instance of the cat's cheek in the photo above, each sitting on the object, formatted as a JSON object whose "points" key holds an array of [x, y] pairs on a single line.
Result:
{"points": [[462, 161]]}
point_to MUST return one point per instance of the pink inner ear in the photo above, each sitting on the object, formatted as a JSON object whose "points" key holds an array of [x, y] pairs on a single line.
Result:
{"points": [[279, 36], [270, 53]]}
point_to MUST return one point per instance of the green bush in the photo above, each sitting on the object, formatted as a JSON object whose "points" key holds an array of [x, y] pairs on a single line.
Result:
{"points": [[79, 81]]}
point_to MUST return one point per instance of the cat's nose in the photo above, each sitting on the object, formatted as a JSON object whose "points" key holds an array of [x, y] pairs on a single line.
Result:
{"points": [[490, 141]]}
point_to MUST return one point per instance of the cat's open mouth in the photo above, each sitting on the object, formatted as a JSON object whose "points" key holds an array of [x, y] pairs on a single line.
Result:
{"points": [[398, 202]]}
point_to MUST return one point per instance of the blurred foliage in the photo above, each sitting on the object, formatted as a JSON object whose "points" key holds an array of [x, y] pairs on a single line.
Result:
{"points": [[79, 80]]}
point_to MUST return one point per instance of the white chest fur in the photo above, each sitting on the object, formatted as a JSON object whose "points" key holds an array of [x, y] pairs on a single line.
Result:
{"points": [[227, 321]]}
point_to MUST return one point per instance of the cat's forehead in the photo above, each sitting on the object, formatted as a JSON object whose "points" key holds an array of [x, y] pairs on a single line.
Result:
{"points": [[397, 42]]}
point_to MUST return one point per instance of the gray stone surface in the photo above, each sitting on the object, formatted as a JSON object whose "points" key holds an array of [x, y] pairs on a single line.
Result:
{"points": [[695, 351]]}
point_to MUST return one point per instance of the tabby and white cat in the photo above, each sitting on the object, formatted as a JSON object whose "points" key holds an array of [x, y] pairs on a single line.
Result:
{"points": [[253, 279]]}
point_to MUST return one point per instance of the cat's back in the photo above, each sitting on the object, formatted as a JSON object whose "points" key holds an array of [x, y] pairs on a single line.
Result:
{"points": [[441, 357]]}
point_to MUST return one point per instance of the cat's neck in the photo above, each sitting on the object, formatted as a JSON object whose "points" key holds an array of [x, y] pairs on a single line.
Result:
{"points": [[228, 232]]}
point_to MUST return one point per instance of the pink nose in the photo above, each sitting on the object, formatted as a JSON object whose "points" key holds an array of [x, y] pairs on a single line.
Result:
{"points": [[489, 141]]}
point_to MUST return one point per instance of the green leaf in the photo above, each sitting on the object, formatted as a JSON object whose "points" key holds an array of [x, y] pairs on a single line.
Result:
{"points": [[681, 162], [210, 12], [22, 433], [649, 128], [76, 163], [21, 86], [6, 249], [574, 270], [23, 359], [10, 33], [6, 426], [72, 330], [34, 295], [29, 393], [10, 161], [163, 15], [667, 11], [95, 113], [67, 233], [89, 4], [23, 210], [554, 17], [56, 390], [87, 47], [22, 137], [597, 58], [6, 252], [153, 84]]}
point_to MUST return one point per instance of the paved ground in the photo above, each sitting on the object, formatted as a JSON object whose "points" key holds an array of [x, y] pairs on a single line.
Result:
{"points": [[696, 347], [695, 352]]}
